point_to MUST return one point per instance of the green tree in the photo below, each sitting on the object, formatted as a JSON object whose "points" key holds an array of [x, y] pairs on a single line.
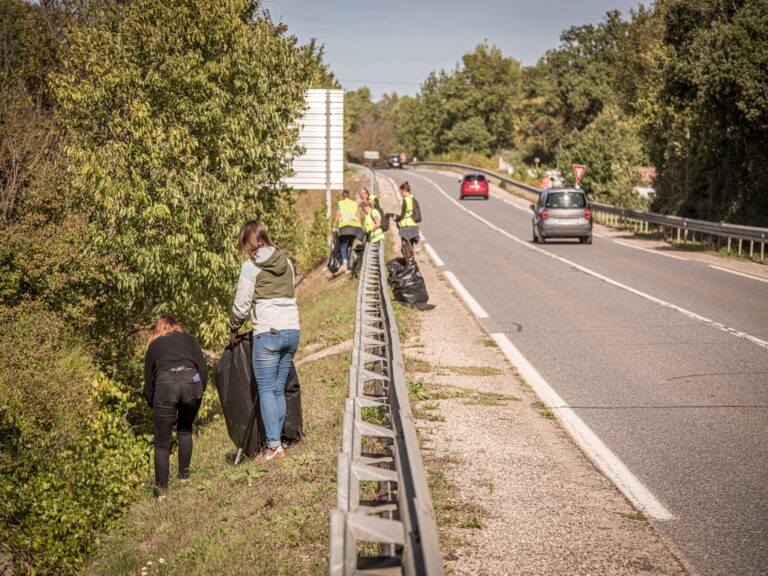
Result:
{"points": [[493, 91], [611, 148], [571, 84], [43, 240], [446, 116], [369, 125], [67, 457], [709, 139], [468, 137], [321, 75], [421, 119], [180, 117]]}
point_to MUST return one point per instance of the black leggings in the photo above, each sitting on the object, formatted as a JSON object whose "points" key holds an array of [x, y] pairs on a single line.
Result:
{"points": [[174, 392]]}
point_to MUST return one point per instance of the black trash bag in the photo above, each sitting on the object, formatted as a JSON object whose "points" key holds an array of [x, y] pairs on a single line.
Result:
{"points": [[334, 260], [293, 428], [356, 257], [406, 280], [239, 397]]}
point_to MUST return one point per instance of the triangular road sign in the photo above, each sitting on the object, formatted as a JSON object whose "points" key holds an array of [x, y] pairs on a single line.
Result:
{"points": [[578, 172]]}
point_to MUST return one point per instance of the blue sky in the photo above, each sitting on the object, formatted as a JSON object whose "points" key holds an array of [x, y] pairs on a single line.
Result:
{"points": [[393, 45]]}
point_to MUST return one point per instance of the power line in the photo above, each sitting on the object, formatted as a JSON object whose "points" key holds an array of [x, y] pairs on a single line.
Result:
{"points": [[379, 82]]}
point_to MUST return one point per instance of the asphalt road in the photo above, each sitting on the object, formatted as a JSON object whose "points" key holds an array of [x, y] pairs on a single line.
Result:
{"points": [[664, 359]]}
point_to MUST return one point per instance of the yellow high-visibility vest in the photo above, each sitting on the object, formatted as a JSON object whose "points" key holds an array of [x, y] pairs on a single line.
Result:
{"points": [[348, 213], [408, 220], [378, 234]]}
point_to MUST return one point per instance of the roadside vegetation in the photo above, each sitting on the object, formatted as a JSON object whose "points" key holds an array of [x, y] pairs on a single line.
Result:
{"points": [[250, 519], [135, 140], [676, 86]]}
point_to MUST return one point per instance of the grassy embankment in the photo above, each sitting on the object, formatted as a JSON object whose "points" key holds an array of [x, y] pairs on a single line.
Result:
{"points": [[270, 519]]}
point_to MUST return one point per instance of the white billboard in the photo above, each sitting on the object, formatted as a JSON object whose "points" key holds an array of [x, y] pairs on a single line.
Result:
{"points": [[321, 134]]}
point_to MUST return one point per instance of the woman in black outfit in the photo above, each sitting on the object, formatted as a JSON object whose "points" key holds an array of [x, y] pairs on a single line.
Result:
{"points": [[175, 377]]}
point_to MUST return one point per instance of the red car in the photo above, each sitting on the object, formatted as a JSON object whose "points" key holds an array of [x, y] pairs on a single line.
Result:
{"points": [[473, 184]]}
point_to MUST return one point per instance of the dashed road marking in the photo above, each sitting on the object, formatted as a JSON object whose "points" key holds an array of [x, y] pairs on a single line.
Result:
{"points": [[750, 276], [619, 242]]}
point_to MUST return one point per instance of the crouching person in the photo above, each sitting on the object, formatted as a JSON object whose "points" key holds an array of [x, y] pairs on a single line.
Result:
{"points": [[175, 377]]}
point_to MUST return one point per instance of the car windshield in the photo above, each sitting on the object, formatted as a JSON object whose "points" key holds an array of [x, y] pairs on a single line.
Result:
{"points": [[474, 178], [566, 200]]}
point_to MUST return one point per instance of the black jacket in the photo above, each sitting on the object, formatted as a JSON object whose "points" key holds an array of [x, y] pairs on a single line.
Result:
{"points": [[172, 351]]}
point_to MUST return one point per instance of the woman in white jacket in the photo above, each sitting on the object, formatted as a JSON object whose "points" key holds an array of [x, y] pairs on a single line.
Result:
{"points": [[265, 290]]}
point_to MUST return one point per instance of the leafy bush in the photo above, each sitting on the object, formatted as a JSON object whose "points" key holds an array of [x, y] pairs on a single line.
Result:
{"points": [[314, 244], [67, 456], [611, 147]]}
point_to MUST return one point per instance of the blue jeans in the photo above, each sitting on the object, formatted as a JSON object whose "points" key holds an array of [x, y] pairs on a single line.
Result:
{"points": [[346, 247], [272, 357]]}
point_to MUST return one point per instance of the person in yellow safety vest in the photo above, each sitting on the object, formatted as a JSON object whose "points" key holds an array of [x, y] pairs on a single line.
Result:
{"points": [[346, 224], [372, 198], [372, 222], [406, 221]]}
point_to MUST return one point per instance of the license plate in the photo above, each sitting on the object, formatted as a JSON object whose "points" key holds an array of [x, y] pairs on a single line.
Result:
{"points": [[565, 220]]}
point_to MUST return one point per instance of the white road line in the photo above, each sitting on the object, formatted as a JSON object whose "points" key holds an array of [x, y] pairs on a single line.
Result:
{"points": [[521, 208], [750, 276], [605, 460], [681, 310], [619, 242], [432, 254], [476, 309]]}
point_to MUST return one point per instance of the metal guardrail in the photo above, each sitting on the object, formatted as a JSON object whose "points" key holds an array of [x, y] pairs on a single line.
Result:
{"points": [[686, 228], [382, 494]]}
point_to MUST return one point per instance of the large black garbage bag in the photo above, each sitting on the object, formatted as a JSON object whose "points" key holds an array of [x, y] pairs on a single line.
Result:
{"points": [[356, 257], [237, 390], [293, 429], [239, 397], [334, 260], [406, 280]]}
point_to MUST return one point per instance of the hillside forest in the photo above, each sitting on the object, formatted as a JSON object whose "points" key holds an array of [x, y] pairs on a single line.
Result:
{"points": [[137, 136], [681, 87]]}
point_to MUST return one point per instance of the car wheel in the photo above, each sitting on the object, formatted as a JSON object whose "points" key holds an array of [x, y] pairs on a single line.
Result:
{"points": [[540, 239], [588, 239], [486, 197], [535, 238]]}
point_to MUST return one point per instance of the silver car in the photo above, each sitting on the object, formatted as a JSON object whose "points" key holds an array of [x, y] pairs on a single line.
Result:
{"points": [[562, 213]]}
